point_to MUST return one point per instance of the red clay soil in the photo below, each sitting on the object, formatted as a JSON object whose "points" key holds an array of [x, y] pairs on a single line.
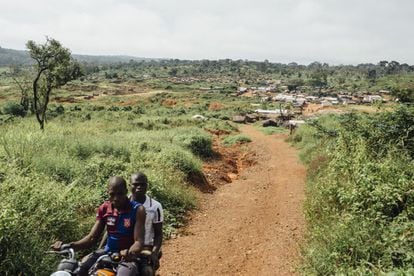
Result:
{"points": [[226, 163], [251, 226]]}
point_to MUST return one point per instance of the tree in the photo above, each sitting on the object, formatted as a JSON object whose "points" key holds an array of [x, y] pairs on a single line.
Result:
{"points": [[21, 78], [372, 76], [404, 94], [173, 72], [54, 67], [293, 84], [319, 79]]}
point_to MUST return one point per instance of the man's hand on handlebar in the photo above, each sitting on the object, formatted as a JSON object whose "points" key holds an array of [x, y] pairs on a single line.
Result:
{"points": [[59, 245]]}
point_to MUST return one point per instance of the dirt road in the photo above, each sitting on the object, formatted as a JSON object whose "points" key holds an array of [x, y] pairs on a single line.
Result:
{"points": [[252, 226]]}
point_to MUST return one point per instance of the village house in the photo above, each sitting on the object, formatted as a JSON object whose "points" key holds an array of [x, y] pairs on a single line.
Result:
{"points": [[242, 89], [372, 99]]}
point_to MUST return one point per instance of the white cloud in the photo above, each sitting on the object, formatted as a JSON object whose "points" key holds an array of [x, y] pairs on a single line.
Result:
{"points": [[279, 30]]}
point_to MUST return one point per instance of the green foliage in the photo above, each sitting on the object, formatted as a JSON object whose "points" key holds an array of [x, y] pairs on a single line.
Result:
{"points": [[269, 130], [52, 182], [15, 109], [54, 67], [35, 211], [180, 160], [236, 139], [359, 204], [197, 141]]}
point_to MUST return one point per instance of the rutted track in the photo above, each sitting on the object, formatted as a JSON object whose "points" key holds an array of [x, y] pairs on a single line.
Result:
{"points": [[252, 226]]}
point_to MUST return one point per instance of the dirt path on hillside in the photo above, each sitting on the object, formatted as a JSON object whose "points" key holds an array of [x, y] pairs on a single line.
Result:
{"points": [[252, 226]]}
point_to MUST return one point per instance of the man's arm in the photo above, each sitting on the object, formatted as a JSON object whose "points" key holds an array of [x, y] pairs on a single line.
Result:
{"points": [[157, 237], [87, 241], [157, 244], [103, 240], [139, 230]]}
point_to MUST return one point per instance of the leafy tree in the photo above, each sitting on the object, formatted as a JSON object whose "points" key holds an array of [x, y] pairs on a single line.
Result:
{"points": [[54, 67], [319, 79], [393, 67], [404, 94], [372, 76], [173, 72], [293, 84]]}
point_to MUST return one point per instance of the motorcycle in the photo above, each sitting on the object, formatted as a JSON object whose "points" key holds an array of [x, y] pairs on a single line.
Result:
{"points": [[145, 263], [105, 265], [68, 265]]}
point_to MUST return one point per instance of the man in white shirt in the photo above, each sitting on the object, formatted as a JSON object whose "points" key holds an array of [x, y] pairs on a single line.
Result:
{"points": [[154, 216]]}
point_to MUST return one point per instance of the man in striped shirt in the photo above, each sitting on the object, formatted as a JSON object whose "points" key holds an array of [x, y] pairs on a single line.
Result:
{"points": [[124, 221]]}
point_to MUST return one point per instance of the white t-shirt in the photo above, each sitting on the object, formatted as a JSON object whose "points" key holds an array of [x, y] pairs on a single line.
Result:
{"points": [[155, 214]]}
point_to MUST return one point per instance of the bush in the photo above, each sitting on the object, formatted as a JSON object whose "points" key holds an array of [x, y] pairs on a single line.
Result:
{"points": [[236, 139], [359, 204], [60, 168], [15, 109], [62, 174], [25, 233], [198, 142], [179, 159]]}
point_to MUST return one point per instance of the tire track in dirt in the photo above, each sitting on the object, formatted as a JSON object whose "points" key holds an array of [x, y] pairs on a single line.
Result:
{"points": [[252, 226]]}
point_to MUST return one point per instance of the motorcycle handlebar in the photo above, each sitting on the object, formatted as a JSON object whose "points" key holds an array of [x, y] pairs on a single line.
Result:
{"points": [[67, 251]]}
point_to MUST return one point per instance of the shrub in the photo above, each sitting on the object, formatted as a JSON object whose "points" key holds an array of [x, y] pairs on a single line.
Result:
{"points": [[15, 109], [25, 233], [60, 109], [272, 130], [60, 168], [179, 159], [236, 139], [62, 174], [198, 142], [359, 204]]}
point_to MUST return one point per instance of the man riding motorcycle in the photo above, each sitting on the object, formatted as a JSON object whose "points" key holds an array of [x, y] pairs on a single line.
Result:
{"points": [[124, 221], [153, 222]]}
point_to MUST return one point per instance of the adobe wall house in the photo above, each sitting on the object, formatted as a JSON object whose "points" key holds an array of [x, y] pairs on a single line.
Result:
{"points": [[239, 119]]}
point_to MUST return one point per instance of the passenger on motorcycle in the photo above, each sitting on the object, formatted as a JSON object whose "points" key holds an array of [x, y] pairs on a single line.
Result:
{"points": [[153, 222], [124, 221]]}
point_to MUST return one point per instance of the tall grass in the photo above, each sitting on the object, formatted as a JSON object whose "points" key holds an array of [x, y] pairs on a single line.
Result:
{"points": [[360, 194], [52, 181]]}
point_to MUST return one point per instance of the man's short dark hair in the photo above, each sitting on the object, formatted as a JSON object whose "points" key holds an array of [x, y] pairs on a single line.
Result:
{"points": [[117, 181], [140, 176]]}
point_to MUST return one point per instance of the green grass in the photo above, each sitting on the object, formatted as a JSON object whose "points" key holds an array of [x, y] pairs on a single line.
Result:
{"points": [[359, 194], [63, 171], [236, 139], [270, 130], [62, 174]]}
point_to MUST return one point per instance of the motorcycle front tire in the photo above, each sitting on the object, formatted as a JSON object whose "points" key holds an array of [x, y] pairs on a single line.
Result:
{"points": [[147, 270]]}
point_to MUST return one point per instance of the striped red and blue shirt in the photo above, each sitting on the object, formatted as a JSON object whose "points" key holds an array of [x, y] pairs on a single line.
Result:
{"points": [[119, 225]]}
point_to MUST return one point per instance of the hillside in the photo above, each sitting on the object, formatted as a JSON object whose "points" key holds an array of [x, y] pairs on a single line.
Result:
{"points": [[10, 56], [19, 57]]}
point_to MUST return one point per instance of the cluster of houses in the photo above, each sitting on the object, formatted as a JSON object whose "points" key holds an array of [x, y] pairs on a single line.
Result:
{"points": [[267, 94], [300, 100], [260, 89], [286, 117]]}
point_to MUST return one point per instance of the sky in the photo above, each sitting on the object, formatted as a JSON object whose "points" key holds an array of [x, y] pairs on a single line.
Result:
{"points": [[302, 31]]}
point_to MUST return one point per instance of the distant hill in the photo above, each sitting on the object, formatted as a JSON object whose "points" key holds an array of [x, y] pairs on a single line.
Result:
{"points": [[19, 57], [10, 57], [107, 59]]}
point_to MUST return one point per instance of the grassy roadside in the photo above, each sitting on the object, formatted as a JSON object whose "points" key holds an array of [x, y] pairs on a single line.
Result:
{"points": [[52, 181], [359, 193]]}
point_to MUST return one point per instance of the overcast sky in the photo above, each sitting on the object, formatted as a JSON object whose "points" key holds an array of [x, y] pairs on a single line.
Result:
{"points": [[332, 31]]}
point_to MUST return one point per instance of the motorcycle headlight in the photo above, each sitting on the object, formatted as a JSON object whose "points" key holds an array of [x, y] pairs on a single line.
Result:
{"points": [[60, 273]]}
